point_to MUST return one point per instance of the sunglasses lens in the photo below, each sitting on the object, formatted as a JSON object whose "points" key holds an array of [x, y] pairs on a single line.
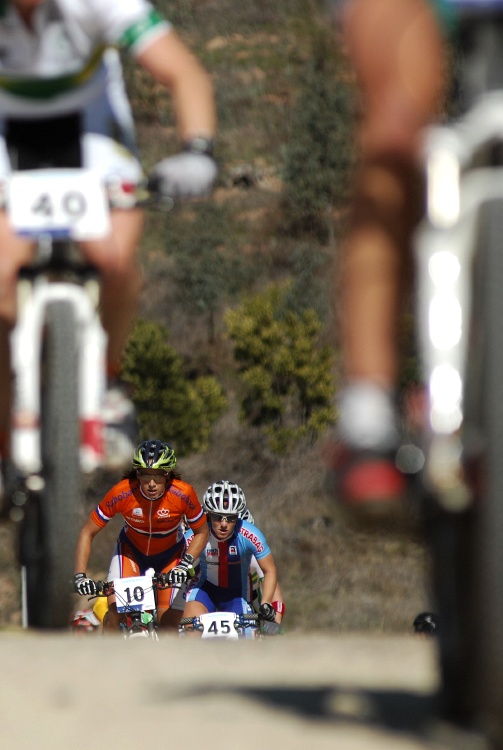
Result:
{"points": [[219, 518]]}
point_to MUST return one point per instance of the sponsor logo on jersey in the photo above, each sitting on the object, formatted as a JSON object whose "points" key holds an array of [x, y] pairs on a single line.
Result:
{"points": [[212, 553], [233, 550], [183, 497], [137, 512], [253, 539], [117, 498], [163, 513]]}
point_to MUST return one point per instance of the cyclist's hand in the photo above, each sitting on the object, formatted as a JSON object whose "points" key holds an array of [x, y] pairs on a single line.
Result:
{"points": [[162, 581], [181, 572], [186, 175], [270, 628], [267, 612], [83, 585]]}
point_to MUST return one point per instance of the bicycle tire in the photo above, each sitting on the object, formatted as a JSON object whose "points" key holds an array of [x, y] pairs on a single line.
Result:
{"points": [[50, 527], [470, 584], [486, 621]]}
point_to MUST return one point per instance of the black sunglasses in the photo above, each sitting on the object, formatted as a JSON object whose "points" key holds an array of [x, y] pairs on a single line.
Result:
{"points": [[218, 518]]}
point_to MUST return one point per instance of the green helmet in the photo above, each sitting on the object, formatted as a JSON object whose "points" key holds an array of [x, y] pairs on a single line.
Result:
{"points": [[152, 454]]}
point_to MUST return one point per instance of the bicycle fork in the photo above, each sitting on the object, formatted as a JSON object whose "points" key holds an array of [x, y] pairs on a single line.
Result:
{"points": [[34, 297], [446, 247]]}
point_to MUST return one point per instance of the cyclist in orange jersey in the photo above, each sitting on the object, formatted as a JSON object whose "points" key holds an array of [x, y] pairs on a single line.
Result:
{"points": [[154, 501]]}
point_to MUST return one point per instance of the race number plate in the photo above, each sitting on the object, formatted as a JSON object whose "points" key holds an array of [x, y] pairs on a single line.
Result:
{"points": [[60, 202], [135, 593], [219, 625]]}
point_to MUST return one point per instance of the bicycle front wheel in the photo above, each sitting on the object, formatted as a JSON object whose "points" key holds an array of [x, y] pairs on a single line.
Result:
{"points": [[472, 643], [487, 614], [49, 532]]}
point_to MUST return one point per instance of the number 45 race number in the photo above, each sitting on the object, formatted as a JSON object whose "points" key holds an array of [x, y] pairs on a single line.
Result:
{"points": [[219, 625]]}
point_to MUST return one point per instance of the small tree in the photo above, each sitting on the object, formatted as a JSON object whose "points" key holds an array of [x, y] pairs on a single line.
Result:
{"points": [[169, 406], [286, 375], [207, 266], [320, 153]]}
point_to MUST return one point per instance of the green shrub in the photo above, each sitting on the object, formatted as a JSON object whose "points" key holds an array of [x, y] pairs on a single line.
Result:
{"points": [[169, 406], [319, 156], [286, 376], [207, 264]]}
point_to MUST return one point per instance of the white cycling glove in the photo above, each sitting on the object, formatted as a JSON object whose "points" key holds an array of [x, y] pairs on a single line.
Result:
{"points": [[84, 586], [267, 612], [190, 174], [181, 572]]}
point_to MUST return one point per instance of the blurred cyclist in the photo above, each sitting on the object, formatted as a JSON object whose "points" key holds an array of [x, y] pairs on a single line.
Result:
{"points": [[398, 53], [153, 500], [63, 104]]}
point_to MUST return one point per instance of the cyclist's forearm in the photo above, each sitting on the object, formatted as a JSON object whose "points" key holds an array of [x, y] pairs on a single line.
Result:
{"points": [[270, 578], [172, 64], [269, 587], [83, 549], [198, 542]]}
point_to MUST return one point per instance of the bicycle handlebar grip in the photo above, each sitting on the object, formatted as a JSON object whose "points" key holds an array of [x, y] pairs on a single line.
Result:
{"points": [[104, 588], [187, 620]]}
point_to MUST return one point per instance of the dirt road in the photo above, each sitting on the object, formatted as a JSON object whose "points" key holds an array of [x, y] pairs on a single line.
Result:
{"points": [[292, 692]]}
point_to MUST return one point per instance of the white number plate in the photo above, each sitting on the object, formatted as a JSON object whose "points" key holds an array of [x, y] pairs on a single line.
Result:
{"points": [[65, 202], [219, 625], [134, 593]]}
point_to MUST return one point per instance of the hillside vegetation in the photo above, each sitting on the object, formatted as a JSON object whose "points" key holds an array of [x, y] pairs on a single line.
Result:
{"points": [[286, 108]]}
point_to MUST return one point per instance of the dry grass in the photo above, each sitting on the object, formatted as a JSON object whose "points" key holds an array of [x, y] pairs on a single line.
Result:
{"points": [[334, 576]]}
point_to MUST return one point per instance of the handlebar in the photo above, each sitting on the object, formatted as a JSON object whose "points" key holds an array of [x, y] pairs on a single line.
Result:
{"points": [[241, 621], [106, 588]]}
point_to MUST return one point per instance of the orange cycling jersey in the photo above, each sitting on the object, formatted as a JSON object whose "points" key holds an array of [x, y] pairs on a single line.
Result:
{"points": [[152, 526]]}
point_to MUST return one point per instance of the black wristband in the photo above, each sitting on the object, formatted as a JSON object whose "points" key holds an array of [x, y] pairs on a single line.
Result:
{"points": [[199, 145], [188, 558]]}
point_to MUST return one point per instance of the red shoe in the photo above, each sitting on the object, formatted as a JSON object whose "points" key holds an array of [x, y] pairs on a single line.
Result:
{"points": [[366, 480]]}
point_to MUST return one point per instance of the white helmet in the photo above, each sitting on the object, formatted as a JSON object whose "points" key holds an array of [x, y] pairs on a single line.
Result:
{"points": [[245, 515], [224, 497]]}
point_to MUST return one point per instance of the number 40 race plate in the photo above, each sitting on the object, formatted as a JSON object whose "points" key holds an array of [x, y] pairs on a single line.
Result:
{"points": [[65, 202]]}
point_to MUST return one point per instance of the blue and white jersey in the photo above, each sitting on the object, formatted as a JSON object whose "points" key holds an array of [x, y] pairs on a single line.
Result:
{"points": [[226, 564]]}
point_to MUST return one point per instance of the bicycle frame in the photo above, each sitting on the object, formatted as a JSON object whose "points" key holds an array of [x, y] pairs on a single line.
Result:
{"points": [[221, 625], [459, 259], [136, 601], [58, 360], [446, 245], [34, 297]]}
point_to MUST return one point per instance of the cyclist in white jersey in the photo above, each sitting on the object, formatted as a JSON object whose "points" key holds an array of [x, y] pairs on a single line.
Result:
{"points": [[63, 104], [397, 49]]}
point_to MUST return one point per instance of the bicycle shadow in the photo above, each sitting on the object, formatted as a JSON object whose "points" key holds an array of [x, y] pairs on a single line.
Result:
{"points": [[399, 712]]}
